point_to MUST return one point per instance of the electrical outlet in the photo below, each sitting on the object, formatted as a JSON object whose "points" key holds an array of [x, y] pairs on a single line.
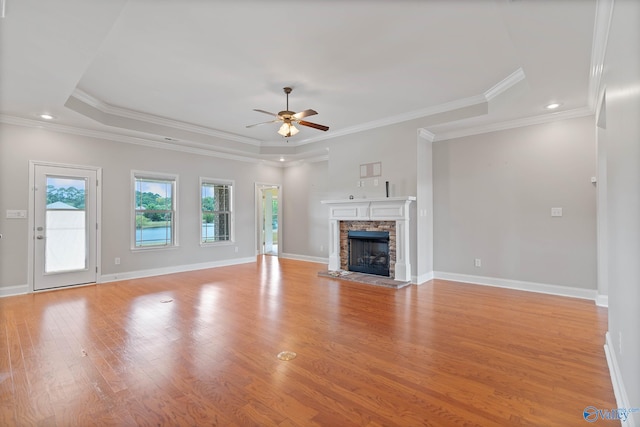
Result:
{"points": [[478, 262], [117, 261], [236, 249], [321, 248], [556, 211]]}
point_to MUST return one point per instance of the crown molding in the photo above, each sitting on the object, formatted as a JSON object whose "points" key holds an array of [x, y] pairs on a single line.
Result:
{"points": [[517, 123], [601, 27], [511, 80], [195, 148], [490, 94], [298, 162], [411, 115], [156, 120], [425, 134]]}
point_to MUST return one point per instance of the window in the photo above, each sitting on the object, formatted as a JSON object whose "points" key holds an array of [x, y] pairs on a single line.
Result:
{"points": [[216, 205], [154, 210]]}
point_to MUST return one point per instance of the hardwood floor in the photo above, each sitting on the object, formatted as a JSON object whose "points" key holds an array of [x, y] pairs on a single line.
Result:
{"points": [[200, 348]]}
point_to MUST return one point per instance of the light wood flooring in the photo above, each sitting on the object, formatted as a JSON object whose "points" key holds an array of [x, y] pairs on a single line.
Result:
{"points": [[199, 349]]}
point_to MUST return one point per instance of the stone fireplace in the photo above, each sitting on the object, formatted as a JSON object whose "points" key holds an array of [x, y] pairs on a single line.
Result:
{"points": [[356, 227], [380, 215]]}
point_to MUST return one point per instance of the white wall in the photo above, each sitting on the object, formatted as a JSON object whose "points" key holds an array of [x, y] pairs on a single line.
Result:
{"points": [[492, 199], [394, 146], [424, 204], [305, 229], [493, 195], [621, 79], [19, 145]]}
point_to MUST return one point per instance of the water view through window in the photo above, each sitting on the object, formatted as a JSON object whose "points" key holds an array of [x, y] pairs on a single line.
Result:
{"points": [[159, 235], [155, 212]]}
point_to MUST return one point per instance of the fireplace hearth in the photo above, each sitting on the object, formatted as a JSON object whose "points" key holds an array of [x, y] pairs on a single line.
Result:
{"points": [[368, 252]]}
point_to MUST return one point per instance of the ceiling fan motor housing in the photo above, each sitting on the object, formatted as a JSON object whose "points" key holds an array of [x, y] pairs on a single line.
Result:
{"points": [[286, 114]]}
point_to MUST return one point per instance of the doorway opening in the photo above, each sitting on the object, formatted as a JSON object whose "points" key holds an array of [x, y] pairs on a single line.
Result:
{"points": [[268, 226]]}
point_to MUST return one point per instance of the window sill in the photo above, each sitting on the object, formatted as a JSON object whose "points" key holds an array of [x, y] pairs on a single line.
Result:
{"points": [[155, 248], [214, 244]]}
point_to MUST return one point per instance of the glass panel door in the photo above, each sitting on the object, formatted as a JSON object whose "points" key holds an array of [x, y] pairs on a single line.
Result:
{"points": [[64, 225]]}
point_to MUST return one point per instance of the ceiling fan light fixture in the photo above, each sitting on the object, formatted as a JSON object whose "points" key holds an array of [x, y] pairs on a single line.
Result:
{"points": [[287, 130], [288, 118]]}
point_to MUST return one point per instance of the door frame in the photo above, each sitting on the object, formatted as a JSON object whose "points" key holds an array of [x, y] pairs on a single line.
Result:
{"points": [[31, 235], [259, 209]]}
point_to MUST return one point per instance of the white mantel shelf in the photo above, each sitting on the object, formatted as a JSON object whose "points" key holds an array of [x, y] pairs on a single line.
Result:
{"points": [[372, 199], [373, 209]]}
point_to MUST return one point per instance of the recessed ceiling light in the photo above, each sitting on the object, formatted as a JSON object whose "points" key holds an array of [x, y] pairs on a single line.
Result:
{"points": [[282, 159], [46, 116], [553, 106]]}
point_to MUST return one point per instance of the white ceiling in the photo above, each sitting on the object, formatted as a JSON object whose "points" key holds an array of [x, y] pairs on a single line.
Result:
{"points": [[194, 70]]}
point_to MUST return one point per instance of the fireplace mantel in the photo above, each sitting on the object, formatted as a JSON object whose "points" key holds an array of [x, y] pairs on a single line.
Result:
{"points": [[373, 209]]}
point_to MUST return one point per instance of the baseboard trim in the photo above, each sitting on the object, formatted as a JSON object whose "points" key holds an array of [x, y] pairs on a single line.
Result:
{"points": [[543, 288], [602, 300], [10, 291], [138, 274], [307, 258], [619, 390], [422, 279]]}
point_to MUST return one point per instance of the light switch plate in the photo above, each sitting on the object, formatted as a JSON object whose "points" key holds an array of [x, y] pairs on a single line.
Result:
{"points": [[16, 214]]}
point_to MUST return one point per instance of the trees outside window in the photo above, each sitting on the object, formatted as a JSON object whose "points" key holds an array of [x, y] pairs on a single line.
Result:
{"points": [[154, 210], [216, 210]]}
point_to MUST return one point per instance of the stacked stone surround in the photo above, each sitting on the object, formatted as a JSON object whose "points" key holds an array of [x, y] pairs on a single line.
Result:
{"points": [[388, 226]]}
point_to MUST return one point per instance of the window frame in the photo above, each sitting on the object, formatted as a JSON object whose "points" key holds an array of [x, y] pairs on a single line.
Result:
{"points": [[231, 229], [147, 175]]}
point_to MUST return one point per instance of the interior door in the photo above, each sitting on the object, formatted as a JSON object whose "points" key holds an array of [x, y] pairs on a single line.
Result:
{"points": [[65, 223]]}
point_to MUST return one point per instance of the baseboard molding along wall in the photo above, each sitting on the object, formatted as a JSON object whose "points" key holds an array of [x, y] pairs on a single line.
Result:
{"points": [[10, 291], [565, 291], [307, 258], [619, 390], [127, 275], [602, 300], [423, 278]]}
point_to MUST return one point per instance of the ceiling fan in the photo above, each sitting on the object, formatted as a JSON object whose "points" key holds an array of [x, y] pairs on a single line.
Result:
{"points": [[289, 118]]}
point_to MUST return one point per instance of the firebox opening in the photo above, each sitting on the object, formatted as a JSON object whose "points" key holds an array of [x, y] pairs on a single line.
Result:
{"points": [[369, 252]]}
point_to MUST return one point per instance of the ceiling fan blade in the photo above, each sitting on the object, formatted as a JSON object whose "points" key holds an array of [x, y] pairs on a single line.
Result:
{"points": [[314, 125], [263, 123], [266, 112], [305, 113]]}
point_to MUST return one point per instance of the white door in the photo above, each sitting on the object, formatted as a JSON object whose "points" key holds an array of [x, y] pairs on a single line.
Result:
{"points": [[64, 224]]}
